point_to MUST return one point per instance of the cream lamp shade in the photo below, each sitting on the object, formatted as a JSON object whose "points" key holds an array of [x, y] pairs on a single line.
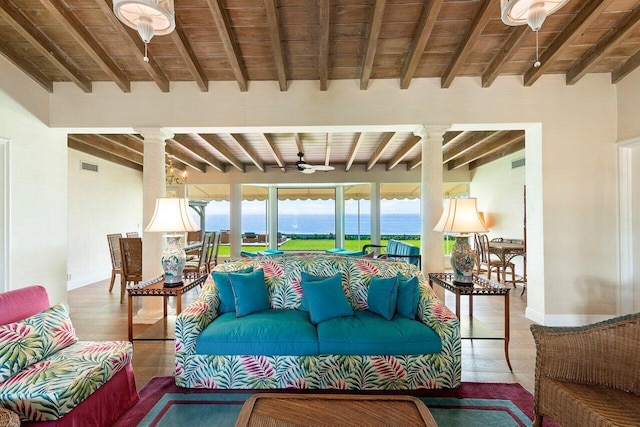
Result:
{"points": [[172, 216], [460, 218]]}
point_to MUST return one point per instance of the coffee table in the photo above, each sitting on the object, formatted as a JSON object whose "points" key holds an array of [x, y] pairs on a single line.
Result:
{"points": [[471, 328], [288, 410], [157, 288]]}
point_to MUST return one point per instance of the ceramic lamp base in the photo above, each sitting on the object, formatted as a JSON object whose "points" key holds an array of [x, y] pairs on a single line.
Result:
{"points": [[173, 261], [463, 259]]}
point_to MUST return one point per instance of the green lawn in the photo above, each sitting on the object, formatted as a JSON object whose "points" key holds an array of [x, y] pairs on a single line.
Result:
{"points": [[302, 245]]}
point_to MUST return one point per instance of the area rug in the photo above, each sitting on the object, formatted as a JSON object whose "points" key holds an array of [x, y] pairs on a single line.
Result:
{"points": [[163, 404]]}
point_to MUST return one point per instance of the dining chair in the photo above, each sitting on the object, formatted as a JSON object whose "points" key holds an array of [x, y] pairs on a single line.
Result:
{"points": [[487, 263], [116, 261], [213, 252], [132, 234], [131, 253], [197, 266]]}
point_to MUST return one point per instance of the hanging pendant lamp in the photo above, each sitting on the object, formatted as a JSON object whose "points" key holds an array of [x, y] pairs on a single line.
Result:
{"points": [[530, 12], [148, 17]]}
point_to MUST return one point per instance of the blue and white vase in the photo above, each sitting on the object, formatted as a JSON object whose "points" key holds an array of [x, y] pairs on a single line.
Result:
{"points": [[173, 261]]}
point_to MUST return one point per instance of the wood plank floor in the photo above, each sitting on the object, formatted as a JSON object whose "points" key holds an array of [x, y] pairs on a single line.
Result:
{"points": [[98, 315]]}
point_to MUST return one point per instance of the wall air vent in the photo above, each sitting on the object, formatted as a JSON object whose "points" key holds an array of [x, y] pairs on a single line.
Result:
{"points": [[517, 163], [88, 167]]}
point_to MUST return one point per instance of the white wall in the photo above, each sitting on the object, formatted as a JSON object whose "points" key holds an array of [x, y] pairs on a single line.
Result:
{"points": [[37, 214], [109, 201], [499, 190]]}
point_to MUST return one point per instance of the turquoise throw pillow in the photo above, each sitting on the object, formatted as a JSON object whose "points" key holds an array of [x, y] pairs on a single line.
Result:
{"points": [[408, 296], [326, 299], [306, 277], [383, 296], [250, 292], [227, 300]]}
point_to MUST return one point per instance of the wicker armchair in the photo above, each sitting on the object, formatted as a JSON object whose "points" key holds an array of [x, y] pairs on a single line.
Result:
{"points": [[589, 375]]}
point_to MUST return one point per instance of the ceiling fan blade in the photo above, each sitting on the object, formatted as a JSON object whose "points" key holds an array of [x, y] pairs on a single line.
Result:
{"points": [[323, 168], [305, 166], [308, 170]]}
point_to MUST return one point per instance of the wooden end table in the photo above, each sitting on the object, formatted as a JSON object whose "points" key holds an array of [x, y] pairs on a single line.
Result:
{"points": [[473, 329], [286, 409], [158, 289]]}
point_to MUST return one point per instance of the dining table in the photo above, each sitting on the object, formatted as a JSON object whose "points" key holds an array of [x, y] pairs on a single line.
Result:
{"points": [[506, 250]]}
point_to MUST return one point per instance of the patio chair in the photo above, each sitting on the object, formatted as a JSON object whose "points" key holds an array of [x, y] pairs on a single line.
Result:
{"points": [[131, 255], [395, 251], [116, 261]]}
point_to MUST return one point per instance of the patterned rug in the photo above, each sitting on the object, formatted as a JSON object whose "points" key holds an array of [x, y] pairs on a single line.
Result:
{"points": [[162, 403]]}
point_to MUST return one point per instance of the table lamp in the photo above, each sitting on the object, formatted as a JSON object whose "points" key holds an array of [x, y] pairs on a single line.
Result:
{"points": [[460, 219], [172, 216]]}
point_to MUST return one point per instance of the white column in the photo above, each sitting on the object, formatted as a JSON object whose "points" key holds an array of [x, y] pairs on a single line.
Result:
{"points": [[272, 217], [375, 213], [235, 208], [153, 186], [339, 216], [432, 248]]}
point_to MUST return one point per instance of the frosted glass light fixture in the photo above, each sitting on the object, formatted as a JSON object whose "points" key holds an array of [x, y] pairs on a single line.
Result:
{"points": [[148, 17]]}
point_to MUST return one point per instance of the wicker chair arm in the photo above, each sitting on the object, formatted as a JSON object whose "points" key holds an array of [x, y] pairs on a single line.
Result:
{"points": [[604, 353]]}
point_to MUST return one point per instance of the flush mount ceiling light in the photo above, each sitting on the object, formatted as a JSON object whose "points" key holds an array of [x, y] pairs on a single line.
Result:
{"points": [[530, 12], [148, 17]]}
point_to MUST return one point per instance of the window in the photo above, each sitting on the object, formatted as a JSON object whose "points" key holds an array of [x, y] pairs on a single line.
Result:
{"points": [[307, 217]]}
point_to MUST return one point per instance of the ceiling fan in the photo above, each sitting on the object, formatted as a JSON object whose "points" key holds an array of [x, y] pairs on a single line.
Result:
{"points": [[305, 167]]}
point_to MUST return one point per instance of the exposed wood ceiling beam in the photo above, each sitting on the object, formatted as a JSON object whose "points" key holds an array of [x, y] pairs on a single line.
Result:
{"points": [[248, 151], [18, 22], [324, 44], [589, 13], [382, 147], [222, 149], [404, 151], [79, 145], [298, 140], [109, 146], [495, 143], [486, 12], [174, 151], [179, 38], [276, 42], [466, 142], [430, 13], [229, 42], [85, 39], [188, 142], [372, 42], [327, 151], [614, 37], [136, 45], [357, 140], [27, 68], [515, 40], [124, 141], [451, 138], [271, 145], [625, 69], [417, 161], [505, 151]]}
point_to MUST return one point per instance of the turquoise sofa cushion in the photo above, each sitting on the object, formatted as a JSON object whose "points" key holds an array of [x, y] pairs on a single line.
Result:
{"points": [[266, 333], [225, 293], [250, 292], [408, 296], [326, 299], [368, 334], [383, 296], [306, 277]]}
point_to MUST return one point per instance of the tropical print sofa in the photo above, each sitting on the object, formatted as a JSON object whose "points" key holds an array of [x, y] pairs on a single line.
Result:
{"points": [[353, 370], [48, 377]]}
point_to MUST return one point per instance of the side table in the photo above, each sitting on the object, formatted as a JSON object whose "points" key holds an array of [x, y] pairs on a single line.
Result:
{"points": [[159, 290], [473, 328]]}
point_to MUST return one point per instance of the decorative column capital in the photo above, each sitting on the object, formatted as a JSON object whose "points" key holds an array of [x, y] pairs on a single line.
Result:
{"points": [[155, 134], [434, 132]]}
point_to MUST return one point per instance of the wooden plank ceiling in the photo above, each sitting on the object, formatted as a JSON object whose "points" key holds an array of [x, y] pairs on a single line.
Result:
{"points": [[81, 41]]}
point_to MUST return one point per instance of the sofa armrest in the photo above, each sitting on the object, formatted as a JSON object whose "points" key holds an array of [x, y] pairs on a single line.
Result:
{"points": [[603, 353], [434, 313], [196, 317]]}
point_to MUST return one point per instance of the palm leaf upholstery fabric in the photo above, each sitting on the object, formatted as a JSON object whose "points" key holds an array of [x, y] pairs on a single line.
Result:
{"points": [[45, 372], [325, 371]]}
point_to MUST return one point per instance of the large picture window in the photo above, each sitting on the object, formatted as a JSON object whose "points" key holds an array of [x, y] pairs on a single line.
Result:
{"points": [[307, 217]]}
